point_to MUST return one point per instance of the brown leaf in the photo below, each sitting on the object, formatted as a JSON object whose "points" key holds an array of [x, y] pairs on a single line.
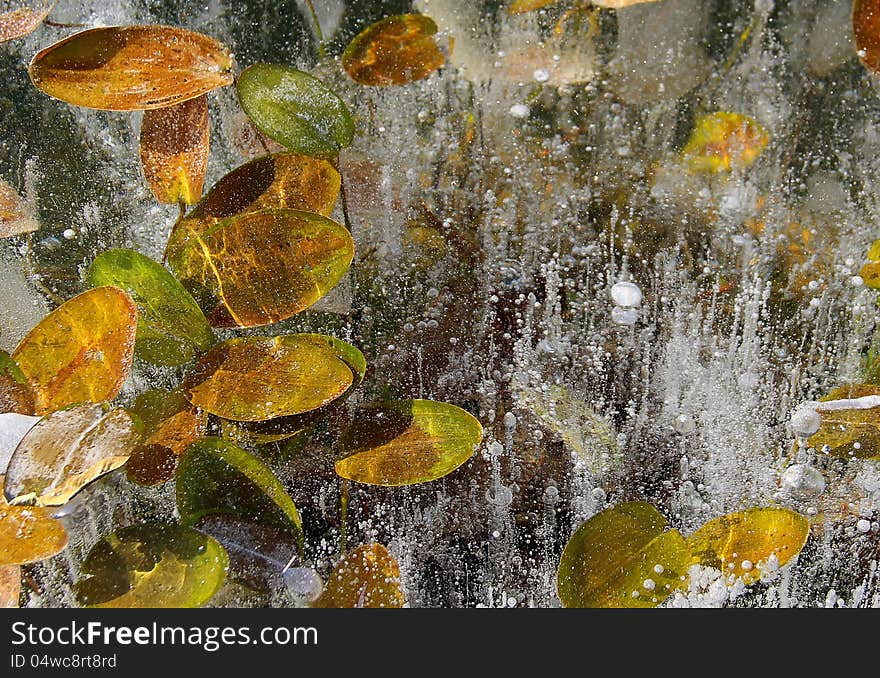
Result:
{"points": [[16, 216], [368, 576], [23, 21], [174, 150], [127, 68], [866, 29], [10, 585]]}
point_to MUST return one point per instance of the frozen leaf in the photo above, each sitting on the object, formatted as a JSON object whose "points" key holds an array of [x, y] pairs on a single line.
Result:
{"points": [[80, 352], [406, 442], [523, 6], [152, 565], [125, 68], [29, 534], [285, 180], [169, 424], [624, 556], [171, 327], [16, 216], [721, 142], [581, 428], [866, 29], [394, 51], [870, 272], [850, 422], [619, 4], [742, 544], [260, 378], [23, 21], [10, 586], [67, 450], [367, 576], [261, 267], [258, 554], [217, 477], [13, 427], [295, 109], [15, 393], [174, 150], [283, 428]]}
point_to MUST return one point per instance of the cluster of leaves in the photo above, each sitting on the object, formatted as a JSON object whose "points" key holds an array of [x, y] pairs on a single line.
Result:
{"points": [[259, 247], [627, 556]]}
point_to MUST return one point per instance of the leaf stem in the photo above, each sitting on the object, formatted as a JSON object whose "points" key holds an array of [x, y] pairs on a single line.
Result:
{"points": [[57, 24], [343, 515], [318, 30]]}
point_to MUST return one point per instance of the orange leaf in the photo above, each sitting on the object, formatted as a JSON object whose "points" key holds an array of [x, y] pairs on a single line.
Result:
{"points": [[174, 150], [368, 576]]}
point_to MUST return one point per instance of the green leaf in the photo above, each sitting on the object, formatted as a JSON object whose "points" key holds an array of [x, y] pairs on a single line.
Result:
{"points": [[171, 326], [295, 109], [261, 267], [406, 442], [15, 393], [217, 477], [152, 565], [623, 556]]}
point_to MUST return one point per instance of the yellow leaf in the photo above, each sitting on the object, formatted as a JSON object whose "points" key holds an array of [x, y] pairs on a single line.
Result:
{"points": [[260, 378], [126, 68], [10, 585], [406, 442], [623, 556], [523, 6], [721, 142], [67, 450], [80, 352], [258, 268], [850, 422], [742, 544], [29, 534], [368, 576], [174, 150], [152, 565], [394, 51]]}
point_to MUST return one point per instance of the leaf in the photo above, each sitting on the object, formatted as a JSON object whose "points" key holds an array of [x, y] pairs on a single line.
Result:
{"points": [[127, 68], [260, 378], [394, 51], [170, 424], [721, 142], [741, 544], [67, 450], [20, 22], [523, 6], [15, 393], [619, 4], [13, 427], [866, 30], [16, 216], [623, 556], [284, 180], [10, 586], [171, 327], [152, 565], [285, 427], [258, 553], [217, 477], [406, 442], [29, 534], [80, 352], [367, 576], [850, 422], [583, 429], [261, 267], [295, 109], [174, 149]]}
